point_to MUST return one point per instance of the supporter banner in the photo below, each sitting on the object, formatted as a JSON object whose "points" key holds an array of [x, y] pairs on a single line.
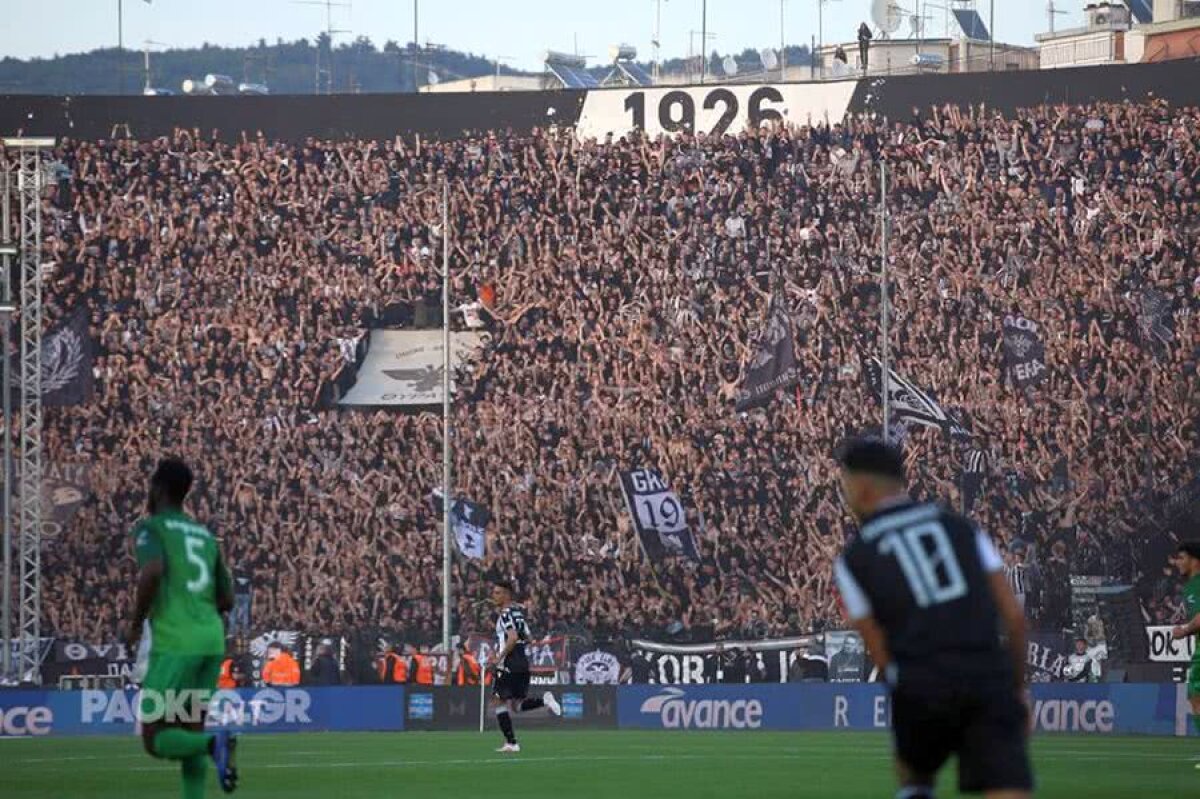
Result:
{"points": [[67, 353], [548, 662], [67, 362], [847, 656], [692, 664], [1047, 656], [470, 521], [404, 367], [598, 667], [1162, 648], [713, 110], [908, 403], [774, 364], [1155, 318], [460, 708], [1024, 351], [49, 712], [657, 515]]}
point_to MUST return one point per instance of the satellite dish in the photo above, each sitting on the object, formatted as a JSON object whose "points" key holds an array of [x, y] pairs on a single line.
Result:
{"points": [[770, 61], [433, 78], [887, 15], [730, 66]]}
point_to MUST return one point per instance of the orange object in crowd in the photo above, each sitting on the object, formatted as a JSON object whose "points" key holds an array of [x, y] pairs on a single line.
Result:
{"points": [[282, 671], [225, 681], [424, 669], [468, 670], [487, 296], [394, 667]]}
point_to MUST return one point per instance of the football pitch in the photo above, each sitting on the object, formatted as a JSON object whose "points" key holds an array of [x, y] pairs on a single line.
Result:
{"points": [[576, 765]]}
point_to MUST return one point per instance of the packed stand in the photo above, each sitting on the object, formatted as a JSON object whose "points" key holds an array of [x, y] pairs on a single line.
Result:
{"points": [[626, 282]]}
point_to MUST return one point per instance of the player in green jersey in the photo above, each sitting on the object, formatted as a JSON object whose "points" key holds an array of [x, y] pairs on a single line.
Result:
{"points": [[183, 588], [1189, 564]]}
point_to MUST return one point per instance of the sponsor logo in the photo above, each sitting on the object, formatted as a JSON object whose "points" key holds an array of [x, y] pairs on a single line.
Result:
{"points": [[1063, 715], [225, 708], [572, 706], [676, 711], [597, 668], [420, 706], [22, 720]]}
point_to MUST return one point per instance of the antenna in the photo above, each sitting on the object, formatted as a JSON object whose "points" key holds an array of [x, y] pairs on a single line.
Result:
{"points": [[330, 31], [887, 15], [1052, 11]]}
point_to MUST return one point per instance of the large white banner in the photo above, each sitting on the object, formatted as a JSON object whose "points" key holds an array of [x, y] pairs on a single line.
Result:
{"points": [[712, 110], [404, 367], [1162, 649]]}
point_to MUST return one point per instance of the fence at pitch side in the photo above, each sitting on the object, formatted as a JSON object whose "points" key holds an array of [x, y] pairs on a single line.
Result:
{"points": [[1146, 709]]}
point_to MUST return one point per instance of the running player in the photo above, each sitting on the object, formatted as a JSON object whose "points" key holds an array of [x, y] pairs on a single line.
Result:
{"points": [[926, 589], [183, 587], [1189, 564], [511, 664]]}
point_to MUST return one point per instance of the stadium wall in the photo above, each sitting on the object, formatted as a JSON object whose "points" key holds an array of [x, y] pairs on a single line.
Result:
{"points": [[703, 108], [1102, 709]]}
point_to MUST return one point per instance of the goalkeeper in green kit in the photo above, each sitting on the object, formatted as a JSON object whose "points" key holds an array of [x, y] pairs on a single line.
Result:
{"points": [[183, 588], [1189, 564]]}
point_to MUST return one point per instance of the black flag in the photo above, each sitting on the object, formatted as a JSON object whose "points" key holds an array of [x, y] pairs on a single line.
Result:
{"points": [[657, 514], [774, 363], [909, 404], [67, 377], [1155, 319], [1024, 351]]}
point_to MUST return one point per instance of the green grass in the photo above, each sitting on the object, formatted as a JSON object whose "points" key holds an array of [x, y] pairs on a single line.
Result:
{"points": [[576, 765]]}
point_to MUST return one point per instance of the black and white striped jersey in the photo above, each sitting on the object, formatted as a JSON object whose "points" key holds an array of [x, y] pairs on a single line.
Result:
{"points": [[513, 618]]}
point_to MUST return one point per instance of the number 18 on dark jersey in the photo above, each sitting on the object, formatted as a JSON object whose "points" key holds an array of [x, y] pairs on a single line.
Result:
{"points": [[921, 572]]}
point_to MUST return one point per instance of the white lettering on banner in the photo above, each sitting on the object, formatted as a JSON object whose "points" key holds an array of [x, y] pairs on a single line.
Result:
{"points": [[840, 707], [881, 712], [712, 110], [680, 669], [1029, 371], [22, 720], [267, 706], [1164, 649], [1062, 715], [676, 712]]}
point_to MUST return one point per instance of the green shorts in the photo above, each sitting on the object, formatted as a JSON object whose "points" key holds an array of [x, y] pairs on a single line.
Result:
{"points": [[174, 682], [1194, 678]]}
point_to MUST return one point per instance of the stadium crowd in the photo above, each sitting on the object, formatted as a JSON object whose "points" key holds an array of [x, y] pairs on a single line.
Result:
{"points": [[625, 283]]}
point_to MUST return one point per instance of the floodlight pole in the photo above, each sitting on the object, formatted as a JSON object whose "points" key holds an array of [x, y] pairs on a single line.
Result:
{"points": [[782, 45], [885, 359], [121, 46], [703, 39], [446, 449], [992, 35]]}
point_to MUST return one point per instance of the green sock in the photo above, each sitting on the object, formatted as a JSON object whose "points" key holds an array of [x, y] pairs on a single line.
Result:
{"points": [[177, 744], [194, 769]]}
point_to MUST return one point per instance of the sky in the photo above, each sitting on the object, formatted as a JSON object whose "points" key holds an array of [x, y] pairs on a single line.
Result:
{"points": [[518, 31]]}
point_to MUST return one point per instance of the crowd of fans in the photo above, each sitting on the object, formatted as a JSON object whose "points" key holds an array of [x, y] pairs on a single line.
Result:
{"points": [[625, 282]]}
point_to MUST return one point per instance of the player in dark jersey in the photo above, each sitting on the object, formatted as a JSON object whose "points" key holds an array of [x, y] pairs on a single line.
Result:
{"points": [[926, 589], [511, 664]]}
